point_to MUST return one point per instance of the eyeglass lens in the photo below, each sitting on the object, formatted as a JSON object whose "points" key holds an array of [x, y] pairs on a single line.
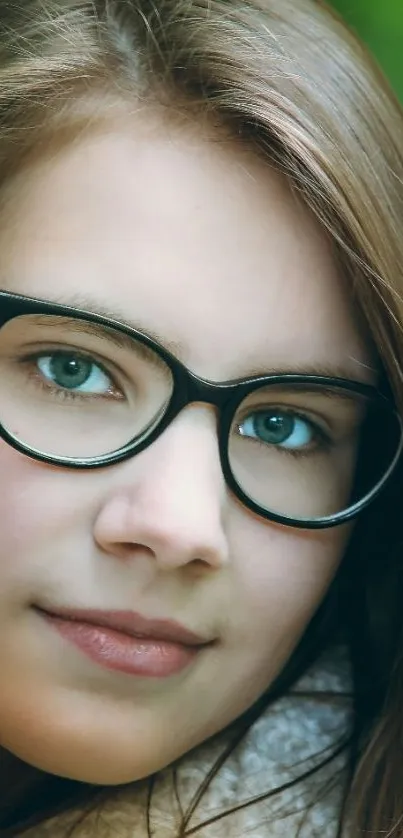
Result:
{"points": [[72, 388]]}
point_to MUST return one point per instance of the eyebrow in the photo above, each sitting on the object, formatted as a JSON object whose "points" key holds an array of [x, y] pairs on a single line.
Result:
{"points": [[336, 370], [91, 305]]}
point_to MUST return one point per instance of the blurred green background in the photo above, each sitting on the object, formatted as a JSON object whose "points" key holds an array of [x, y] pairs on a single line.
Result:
{"points": [[380, 25]]}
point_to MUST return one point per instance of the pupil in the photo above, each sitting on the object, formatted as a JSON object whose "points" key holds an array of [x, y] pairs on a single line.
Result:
{"points": [[70, 371], [274, 427]]}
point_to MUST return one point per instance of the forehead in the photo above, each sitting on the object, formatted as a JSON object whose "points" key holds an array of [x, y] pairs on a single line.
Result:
{"points": [[190, 235]]}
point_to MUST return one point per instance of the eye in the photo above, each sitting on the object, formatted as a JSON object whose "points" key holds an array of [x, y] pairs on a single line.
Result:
{"points": [[280, 428], [74, 372]]}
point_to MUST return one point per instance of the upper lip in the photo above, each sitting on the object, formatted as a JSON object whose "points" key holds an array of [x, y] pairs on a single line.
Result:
{"points": [[131, 623]]}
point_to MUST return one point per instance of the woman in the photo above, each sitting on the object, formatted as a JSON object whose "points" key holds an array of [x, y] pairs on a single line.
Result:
{"points": [[200, 363]]}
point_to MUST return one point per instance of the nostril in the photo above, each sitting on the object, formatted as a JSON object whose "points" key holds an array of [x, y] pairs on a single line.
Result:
{"points": [[199, 567], [131, 549]]}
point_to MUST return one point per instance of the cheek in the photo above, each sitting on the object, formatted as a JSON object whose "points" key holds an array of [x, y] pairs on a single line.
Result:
{"points": [[40, 508], [282, 576], [21, 511]]}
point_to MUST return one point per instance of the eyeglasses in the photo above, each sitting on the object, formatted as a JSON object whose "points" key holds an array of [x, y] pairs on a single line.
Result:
{"points": [[81, 391]]}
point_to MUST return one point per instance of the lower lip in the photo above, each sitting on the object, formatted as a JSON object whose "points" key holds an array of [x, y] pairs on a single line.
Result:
{"points": [[141, 656]]}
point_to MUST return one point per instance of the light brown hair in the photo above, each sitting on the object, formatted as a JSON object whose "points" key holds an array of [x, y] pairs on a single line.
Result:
{"points": [[289, 79]]}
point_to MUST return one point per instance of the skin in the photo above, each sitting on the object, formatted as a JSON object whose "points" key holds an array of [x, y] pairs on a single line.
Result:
{"points": [[204, 244]]}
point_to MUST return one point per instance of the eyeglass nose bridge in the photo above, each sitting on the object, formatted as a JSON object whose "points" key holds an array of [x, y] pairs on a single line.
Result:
{"points": [[188, 389], [208, 392], [191, 389]]}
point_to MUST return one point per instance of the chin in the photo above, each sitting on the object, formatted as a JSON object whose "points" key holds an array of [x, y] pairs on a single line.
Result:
{"points": [[84, 769], [74, 753], [64, 733]]}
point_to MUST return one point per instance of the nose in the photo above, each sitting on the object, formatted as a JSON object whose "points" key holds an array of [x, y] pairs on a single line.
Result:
{"points": [[168, 502]]}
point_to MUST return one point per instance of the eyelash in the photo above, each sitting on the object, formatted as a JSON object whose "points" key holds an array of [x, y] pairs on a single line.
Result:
{"points": [[28, 362], [323, 439]]}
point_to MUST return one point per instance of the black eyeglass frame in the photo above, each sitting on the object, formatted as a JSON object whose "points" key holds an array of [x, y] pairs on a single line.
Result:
{"points": [[189, 388]]}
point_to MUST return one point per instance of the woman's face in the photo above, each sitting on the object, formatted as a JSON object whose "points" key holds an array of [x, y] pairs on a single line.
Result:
{"points": [[203, 244]]}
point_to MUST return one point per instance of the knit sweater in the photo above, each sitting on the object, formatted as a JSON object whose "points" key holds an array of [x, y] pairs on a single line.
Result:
{"points": [[295, 734]]}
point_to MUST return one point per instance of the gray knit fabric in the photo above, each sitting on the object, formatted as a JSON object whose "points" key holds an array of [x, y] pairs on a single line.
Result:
{"points": [[288, 739]]}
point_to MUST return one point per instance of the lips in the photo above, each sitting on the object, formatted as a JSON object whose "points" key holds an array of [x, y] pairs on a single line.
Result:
{"points": [[126, 641], [132, 624]]}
